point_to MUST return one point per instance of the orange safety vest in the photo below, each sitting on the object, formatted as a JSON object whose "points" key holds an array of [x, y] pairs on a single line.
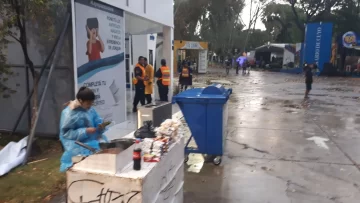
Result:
{"points": [[185, 72], [165, 72], [135, 80]]}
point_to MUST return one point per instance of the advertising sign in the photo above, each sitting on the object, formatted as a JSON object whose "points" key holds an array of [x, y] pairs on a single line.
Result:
{"points": [[192, 45], [349, 39], [99, 46], [202, 61], [317, 48]]}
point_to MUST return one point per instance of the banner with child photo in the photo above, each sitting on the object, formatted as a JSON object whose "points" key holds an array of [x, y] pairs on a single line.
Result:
{"points": [[99, 58]]}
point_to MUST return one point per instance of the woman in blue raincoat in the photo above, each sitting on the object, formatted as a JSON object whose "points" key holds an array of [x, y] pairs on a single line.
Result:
{"points": [[79, 122]]}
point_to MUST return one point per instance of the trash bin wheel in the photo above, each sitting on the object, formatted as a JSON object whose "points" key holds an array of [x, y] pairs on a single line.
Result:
{"points": [[186, 158], [217, 160]]}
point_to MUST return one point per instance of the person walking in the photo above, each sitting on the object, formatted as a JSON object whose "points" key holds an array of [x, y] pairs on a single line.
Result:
{"points": [[138, 81], [308, 79], [149, 78], [237, 67], [244, 67], [228, 64], [163, 82], [185, 79]]}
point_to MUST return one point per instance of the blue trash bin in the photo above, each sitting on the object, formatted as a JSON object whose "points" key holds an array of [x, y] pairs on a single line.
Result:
{"points": [[205, 112]]}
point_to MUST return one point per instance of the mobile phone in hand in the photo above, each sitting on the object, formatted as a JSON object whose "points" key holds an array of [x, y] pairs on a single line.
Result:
{"points": [[106, 123]]}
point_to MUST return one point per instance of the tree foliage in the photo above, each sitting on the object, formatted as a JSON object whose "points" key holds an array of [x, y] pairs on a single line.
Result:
{"points": [[217, 22], [221, 24], [346, 16], [314, 11], [186, 18], [280, 21], [38, 17], [23, 21], [286, 22]]}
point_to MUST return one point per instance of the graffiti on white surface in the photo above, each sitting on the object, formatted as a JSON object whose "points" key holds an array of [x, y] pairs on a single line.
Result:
{"points": [[76, 193]]}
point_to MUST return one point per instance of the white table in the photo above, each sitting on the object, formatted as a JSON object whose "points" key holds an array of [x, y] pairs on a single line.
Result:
{"points": [[160, 182]]}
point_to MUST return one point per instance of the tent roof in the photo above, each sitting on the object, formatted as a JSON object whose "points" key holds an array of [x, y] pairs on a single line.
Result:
{"points": [[273, 47], [136, 25]]}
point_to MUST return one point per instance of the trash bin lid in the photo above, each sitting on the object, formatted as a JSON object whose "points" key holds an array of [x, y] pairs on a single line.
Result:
{"points": [[213, 93], [217, 89]]}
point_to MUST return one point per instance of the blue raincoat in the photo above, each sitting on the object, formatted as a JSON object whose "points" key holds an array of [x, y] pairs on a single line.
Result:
{"points": [[73, 124]]}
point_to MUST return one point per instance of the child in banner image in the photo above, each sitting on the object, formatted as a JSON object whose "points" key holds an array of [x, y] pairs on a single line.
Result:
{"points": [[95, 44]]}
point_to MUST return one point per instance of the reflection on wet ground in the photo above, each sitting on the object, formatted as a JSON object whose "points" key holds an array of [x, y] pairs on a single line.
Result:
{"points": [[271, 154]]}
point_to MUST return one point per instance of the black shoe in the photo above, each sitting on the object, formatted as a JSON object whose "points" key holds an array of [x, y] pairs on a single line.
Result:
{"points": [[134, 110]]}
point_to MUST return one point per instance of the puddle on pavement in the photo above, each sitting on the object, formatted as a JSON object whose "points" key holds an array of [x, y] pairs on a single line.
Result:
{"points": [[233, 99], [195, 163], [292, 106], [338, 89], [349, 97], [223, 82], [296, 106]]}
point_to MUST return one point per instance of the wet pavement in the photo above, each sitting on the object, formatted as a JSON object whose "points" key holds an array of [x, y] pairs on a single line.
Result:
{"points": [[281, 148]]}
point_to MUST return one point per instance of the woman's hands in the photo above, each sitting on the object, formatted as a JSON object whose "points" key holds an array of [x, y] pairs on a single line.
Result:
{"points": [[90, 130], [102, 126]]}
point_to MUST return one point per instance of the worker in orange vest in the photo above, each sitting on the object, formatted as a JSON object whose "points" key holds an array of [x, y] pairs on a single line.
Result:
{"points": [[185, 78], [163, 82], [139, 82]]}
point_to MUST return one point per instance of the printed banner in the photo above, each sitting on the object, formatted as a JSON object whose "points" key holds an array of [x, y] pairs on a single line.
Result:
{"points": [[192, 45], [318, 39], [99, 58], [202, 61], [350, 40]]}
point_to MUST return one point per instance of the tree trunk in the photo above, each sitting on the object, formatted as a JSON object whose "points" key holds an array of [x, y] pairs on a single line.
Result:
{"points": [[35, 75], [35, 102]]}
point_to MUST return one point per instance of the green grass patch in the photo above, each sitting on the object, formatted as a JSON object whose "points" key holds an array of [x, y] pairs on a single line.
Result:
{"points": [[37, 181]]}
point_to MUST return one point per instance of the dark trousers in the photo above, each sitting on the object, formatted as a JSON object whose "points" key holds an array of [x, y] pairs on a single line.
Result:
{"points": [[182, 87], [139, 96], [244, 70], [148, 98], [237, 69], [163, 91]]}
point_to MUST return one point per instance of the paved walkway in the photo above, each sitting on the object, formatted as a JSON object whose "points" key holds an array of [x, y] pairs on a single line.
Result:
{"points": [[281, 148]]}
